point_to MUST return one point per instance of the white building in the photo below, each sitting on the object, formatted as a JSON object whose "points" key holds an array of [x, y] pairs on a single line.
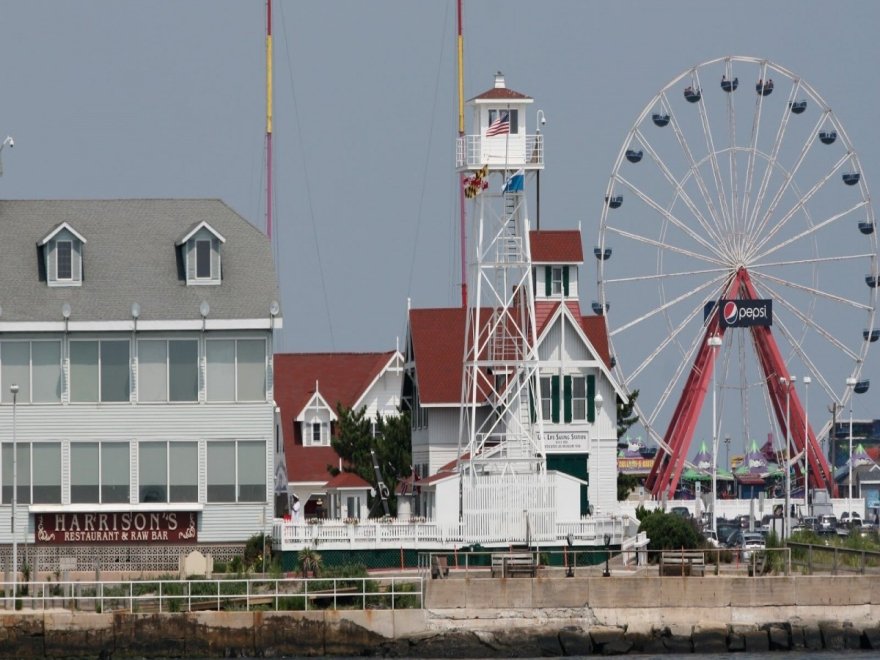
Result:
{"points": [[139, 333]]}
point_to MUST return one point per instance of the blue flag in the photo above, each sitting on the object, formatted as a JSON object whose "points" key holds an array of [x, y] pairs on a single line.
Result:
{"points": [[515, 182]]}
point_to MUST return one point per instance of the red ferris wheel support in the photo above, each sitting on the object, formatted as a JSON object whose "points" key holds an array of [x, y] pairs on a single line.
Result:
{"points": [[668, 464]]}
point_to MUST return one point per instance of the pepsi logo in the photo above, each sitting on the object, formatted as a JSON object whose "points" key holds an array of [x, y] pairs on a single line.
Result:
{"points": [[730, 312]]}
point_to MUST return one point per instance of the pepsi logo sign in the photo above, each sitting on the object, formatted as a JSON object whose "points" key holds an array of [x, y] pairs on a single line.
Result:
{"points": [[746, 313]]}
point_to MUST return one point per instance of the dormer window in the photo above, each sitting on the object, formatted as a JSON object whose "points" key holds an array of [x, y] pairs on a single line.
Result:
{"points": [[203, 260], [64, 259], [61, 255], [201, 251], [556, 280]]}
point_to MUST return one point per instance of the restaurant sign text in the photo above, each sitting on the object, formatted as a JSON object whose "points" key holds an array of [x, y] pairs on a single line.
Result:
{"points": [[117, 527]]}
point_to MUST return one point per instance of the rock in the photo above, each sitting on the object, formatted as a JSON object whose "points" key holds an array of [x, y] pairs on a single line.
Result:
{"points": [[832, 636], [640, 640], [736, 642], [617, 647], [678, 644], [780, 640], [813, 639], [458, 644], [602, 635], [575, 641], [710, 639], [757, 641], [797, 638], [871, 637], [852, 637]]}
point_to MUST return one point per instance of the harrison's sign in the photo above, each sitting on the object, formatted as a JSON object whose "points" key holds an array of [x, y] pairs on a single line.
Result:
{"points": [[121, 527]]}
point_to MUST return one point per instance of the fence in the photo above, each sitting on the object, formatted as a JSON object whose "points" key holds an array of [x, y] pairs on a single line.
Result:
{"points": [[282, 594], [811, 558], [635, 563]]}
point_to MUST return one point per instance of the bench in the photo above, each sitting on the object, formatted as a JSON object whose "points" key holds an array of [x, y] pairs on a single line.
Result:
{"points": [[439, 566], [682, 563], [508, 564]]}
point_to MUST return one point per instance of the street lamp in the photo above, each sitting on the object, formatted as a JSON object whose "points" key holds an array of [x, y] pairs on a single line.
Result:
{"points": [[850, 383], [727, 451], [607, 572], [787, 383], [714, 343], [14, 389], [807, 381]]}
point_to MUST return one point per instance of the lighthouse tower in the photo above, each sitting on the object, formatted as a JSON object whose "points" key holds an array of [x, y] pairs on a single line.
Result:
{"points": [[502, 464]]}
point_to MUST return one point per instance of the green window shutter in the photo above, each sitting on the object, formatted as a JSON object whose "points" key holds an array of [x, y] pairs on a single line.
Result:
{"points": [[566, 397], [565, 280], [591, 398], [532, 415], [548, 283], [554, 390]]}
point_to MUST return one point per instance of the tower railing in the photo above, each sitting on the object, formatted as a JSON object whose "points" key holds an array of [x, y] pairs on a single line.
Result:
{"points": [[475, 151]]}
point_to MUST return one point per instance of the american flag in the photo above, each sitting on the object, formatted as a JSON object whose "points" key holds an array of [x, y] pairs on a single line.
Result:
{"points": [[500, 126]]}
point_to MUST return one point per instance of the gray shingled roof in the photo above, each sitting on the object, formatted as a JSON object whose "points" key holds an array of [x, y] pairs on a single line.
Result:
{"points": [[131, 257]]}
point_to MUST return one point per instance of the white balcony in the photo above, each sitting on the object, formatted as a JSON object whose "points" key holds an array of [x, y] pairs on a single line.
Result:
{"points": [[500, 152]]}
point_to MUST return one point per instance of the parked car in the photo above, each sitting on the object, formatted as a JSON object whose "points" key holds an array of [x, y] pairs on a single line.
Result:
{"points": [[809, 523], [711, 538], [855, 520], [680, 511], [744, 520], [827, 524], [751, 541]]}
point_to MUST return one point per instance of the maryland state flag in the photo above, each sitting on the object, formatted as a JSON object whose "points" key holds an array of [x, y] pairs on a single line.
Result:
{"points": [[474, 185]]}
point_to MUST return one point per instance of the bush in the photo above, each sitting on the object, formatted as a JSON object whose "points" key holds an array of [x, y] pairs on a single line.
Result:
{"points": [[667, 531]]}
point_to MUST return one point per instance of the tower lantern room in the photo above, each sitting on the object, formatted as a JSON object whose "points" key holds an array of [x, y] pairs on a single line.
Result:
{"points": [[499, 137]]}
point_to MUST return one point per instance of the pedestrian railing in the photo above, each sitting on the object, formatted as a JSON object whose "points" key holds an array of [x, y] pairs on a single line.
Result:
{"points": [[166, 595], [816, 558]]}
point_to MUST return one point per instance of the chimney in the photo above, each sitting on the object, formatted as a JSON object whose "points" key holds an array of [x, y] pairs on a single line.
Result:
{"points": [[499, 81]]}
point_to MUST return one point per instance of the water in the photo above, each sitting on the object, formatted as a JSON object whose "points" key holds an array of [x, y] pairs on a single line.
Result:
{"points": [[772, 655]]}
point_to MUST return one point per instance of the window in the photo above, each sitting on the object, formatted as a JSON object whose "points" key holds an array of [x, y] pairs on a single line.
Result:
{"points": [[15, 359], [556, 280], [41, 487], [221, 471], [514, 118], [203, 260], [99, 371], [316, 434], [168, 370], [237, 471], [168, 472], [64, 256], [236, 370], [546, 398], [35, 366], [183, 475], [85, 467], [99, 472], [578, 398]]}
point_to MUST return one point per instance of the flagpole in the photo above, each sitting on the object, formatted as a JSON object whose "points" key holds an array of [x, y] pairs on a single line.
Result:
{"points": [[269, 119], [461, 136]]}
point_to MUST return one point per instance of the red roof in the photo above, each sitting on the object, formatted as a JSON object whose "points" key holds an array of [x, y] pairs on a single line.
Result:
{"points": [[556, 246], [594, 328], [500, 94], [347, 480], [438, 346], [341, 378]]}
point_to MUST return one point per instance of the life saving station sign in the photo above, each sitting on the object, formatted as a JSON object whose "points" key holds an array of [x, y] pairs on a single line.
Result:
{"points": [[562, 442], [124, 527]]}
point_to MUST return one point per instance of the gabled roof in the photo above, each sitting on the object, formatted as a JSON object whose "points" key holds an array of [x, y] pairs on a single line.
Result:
{"points": [[437, 337], [188, 234], [132, 258], [501, 94], [347, 480], [556, 246], [317, 401], [342, 378], [64, 225]]}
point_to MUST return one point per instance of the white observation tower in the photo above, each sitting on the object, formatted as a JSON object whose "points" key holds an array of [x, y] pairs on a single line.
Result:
{"points": [[502, 464]]}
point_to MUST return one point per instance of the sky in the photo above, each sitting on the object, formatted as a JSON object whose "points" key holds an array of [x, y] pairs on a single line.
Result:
{"points": [[165, 99]]}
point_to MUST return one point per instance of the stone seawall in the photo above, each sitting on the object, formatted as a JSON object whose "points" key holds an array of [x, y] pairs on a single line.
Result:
{"points": [[491, 618]]}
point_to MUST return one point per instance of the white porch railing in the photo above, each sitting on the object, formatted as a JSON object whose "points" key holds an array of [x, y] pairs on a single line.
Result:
{"points": [[471, 151], [375, 534]]}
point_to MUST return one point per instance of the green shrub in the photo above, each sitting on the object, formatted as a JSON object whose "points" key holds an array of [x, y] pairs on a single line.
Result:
{"points": [[668, 531]]}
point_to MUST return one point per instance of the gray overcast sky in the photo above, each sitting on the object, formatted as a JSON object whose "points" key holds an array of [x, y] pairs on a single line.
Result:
{"points": [[125, 98]]}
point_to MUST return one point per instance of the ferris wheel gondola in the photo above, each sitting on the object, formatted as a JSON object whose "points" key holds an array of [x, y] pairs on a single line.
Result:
{"points": [[737, 201]]}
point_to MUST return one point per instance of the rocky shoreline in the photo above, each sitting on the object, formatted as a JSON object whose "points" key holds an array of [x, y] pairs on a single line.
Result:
{"points": [[576, 641]]}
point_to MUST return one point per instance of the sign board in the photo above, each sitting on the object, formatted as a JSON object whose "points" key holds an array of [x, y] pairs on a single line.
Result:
{"points": [[124, 527], [562, 441], [745, 313]]}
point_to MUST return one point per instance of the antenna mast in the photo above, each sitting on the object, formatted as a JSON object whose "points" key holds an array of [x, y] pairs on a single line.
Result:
{"points": [[461, 187], [269, 119]]}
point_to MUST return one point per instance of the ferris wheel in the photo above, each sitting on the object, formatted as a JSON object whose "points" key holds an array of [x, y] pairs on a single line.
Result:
{"points": [[737, 190]]}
